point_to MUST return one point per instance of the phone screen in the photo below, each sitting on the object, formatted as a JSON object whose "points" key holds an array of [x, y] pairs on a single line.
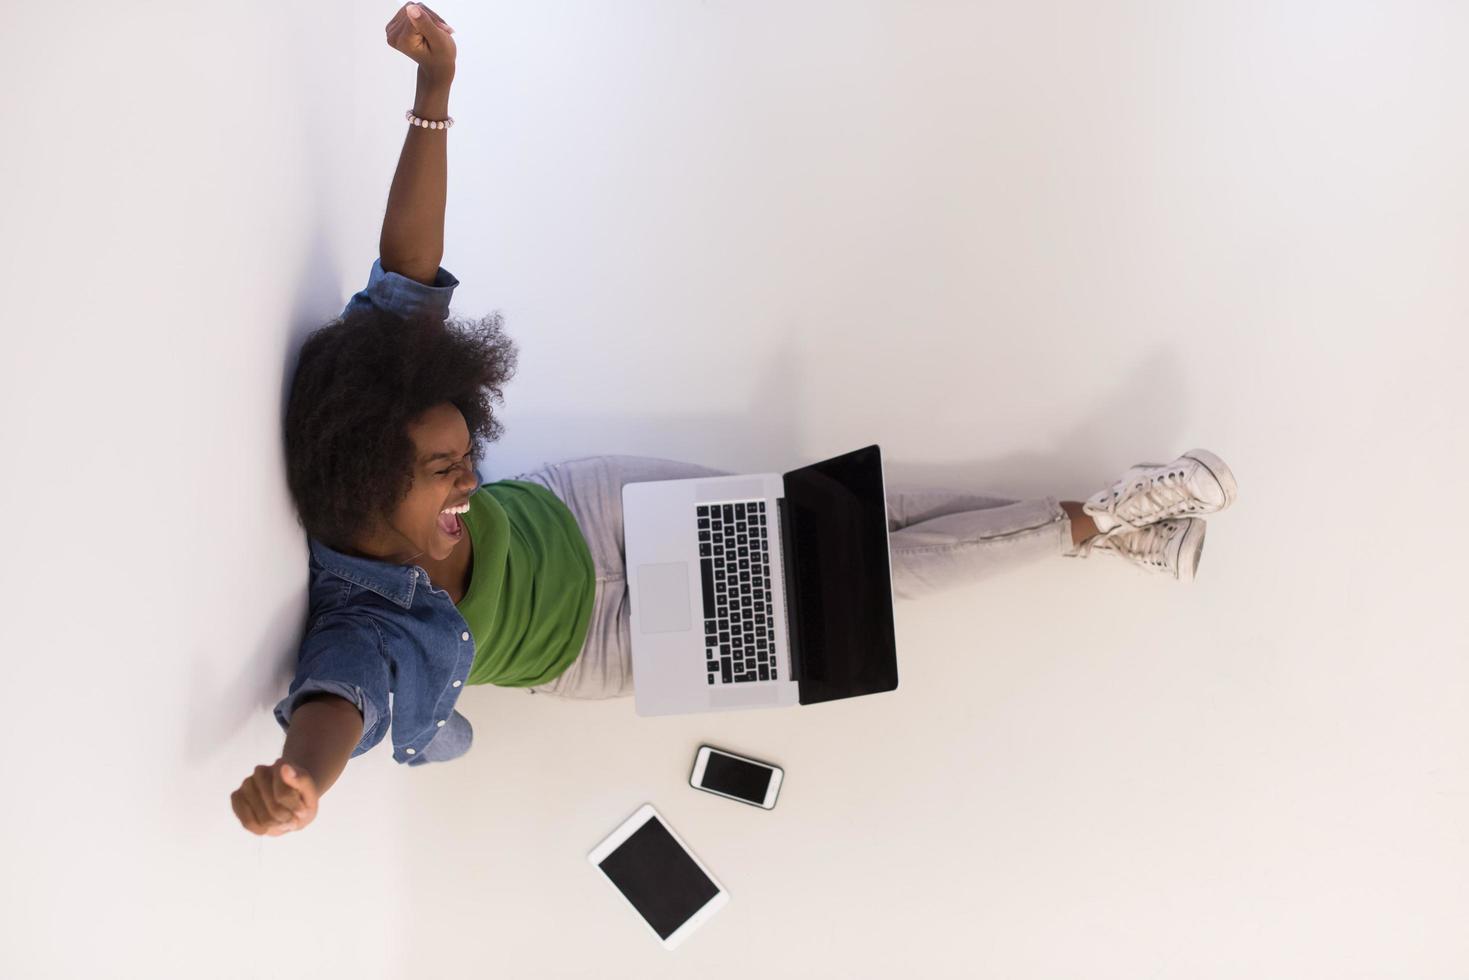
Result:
{"points": [[736, 777]]}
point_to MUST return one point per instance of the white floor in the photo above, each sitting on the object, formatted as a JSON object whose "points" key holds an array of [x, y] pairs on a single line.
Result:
{"points": [[1020, 247]]}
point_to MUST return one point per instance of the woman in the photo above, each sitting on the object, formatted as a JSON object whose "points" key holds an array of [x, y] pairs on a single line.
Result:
{"points": [[422, 580]]}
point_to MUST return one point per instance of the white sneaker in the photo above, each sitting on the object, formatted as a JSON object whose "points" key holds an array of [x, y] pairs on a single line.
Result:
{"points": [[1194, 484], [1168, 546]]}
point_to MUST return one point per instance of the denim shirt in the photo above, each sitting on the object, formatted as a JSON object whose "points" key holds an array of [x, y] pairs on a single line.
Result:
{"points": [[375, 627]]}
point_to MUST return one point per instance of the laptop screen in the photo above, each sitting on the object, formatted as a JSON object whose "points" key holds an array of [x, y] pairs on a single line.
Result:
{"points": [[840, 586]]}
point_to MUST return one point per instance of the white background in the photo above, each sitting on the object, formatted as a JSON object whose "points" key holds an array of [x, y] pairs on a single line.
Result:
{"points": [[1019, 246]]}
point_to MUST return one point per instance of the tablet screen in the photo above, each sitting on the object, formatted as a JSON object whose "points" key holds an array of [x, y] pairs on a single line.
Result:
{"points": [[658, 877]]}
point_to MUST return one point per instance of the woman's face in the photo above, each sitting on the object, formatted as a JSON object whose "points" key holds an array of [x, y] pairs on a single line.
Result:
{"points": [[443, 477]]}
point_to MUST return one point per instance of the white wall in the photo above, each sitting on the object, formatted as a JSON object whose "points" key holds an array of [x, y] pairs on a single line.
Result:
{"points": [[1019, 246]]}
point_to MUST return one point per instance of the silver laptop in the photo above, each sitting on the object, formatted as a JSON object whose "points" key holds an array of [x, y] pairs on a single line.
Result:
{"points": [[762, 590]]}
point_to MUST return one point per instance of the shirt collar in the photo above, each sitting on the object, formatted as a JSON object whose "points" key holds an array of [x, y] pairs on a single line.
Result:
{"points": [[393, 582]]}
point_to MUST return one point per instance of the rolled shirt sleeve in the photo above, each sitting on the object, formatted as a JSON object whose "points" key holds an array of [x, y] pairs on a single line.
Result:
{"points": [[452, 741], [343, 657], [395, 293]]}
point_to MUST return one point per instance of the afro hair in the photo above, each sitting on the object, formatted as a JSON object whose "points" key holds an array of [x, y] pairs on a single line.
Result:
{"points": [[359, 381]]}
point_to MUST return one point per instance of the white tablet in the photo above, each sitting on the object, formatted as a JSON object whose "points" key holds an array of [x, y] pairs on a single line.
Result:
{"points": [[651, 867]]}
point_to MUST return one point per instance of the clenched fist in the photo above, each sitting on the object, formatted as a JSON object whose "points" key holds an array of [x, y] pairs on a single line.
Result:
{"points": [[276, 799], [423, 36]]}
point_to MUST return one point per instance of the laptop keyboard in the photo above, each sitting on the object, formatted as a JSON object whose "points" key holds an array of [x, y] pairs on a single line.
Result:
{"points": [[739, 620]]}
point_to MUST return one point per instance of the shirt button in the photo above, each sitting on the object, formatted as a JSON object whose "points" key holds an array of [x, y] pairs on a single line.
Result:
{"points": [[441, 724], [410, 751], [456, 683], [463, 636]]}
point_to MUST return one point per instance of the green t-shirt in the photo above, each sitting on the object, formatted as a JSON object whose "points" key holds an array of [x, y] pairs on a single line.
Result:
{"points": [[529, 602]]}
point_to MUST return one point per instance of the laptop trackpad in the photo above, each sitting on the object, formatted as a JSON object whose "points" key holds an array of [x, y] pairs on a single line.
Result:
{"points": [[663, 597]]}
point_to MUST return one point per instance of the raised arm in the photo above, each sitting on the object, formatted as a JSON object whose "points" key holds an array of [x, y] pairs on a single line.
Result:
{"points": [[412, 241], [324, 731]]}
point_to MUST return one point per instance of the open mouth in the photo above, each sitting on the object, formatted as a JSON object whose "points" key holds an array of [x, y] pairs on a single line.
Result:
{"points": [[451, 526]]}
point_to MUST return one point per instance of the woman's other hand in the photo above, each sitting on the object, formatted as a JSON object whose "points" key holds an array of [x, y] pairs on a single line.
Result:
{"points": [[423, 36], [276, 799]]}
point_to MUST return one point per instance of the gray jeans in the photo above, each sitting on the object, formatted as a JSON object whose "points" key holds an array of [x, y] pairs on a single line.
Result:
{"points": [[938, 539]]}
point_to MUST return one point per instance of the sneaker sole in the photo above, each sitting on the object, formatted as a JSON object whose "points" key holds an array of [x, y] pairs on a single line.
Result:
{"points": [[1191, 549], [1220, 471]]}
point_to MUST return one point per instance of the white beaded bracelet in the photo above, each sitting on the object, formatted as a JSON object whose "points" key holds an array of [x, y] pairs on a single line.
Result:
{"points": [[428, 123]]}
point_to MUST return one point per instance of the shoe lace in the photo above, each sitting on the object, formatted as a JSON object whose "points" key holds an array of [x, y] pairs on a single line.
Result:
{"points": [[1162, 493], [1139, 544]]}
